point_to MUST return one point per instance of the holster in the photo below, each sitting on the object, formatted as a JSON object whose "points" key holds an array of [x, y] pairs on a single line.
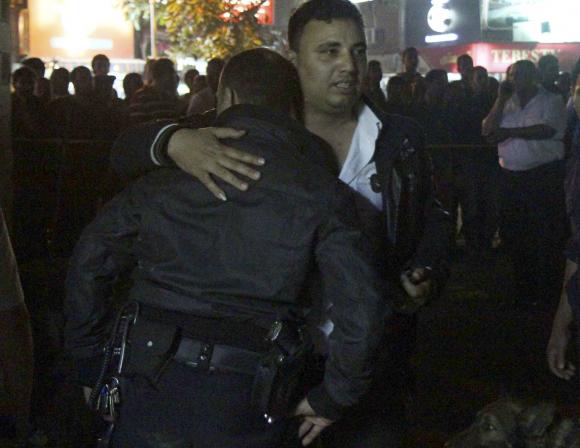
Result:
{"points": [[284, 376]]}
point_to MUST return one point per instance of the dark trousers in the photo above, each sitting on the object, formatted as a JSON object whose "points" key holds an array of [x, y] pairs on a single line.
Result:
{"points": [[475, 186], [190, 408], [534, 228], [379, 419]]}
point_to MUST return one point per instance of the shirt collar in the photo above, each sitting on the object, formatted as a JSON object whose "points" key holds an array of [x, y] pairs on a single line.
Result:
{"points": [[362, 146]]}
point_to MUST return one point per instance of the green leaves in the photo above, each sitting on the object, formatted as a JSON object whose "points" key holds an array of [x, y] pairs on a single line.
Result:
{"points": [[203, 28]]}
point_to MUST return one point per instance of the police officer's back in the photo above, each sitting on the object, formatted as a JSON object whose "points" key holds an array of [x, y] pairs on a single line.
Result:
{"points": [[219, 274]]}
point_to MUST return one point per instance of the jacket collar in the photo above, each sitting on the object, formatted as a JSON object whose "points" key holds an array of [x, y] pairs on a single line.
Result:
{"points": [[263, 121]]}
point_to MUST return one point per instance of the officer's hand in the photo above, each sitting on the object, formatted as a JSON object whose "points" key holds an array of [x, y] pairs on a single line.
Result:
{"points": [[556, 353], [312, 425], [200, 153], [417, 283]]}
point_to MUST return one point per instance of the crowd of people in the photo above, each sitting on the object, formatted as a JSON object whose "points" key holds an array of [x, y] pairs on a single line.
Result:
{"points": [[45, 108], [217, 264]]}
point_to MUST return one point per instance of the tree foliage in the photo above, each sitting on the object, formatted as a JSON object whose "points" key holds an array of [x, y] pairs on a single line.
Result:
{"points": [[203, 28]]}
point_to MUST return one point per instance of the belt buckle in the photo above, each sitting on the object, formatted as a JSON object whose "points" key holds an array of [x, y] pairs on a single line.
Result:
{"points": [[204, 357], [202, 361]]}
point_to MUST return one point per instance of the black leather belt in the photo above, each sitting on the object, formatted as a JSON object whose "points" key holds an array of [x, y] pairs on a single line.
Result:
{"points": [[203, 356]]}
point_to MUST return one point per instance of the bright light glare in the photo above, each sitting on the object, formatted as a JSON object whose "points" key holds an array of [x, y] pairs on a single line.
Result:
{"points": [[449, 37]]}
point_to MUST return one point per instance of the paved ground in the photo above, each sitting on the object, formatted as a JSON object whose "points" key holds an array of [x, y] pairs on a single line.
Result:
{"points": [[474, 347]]}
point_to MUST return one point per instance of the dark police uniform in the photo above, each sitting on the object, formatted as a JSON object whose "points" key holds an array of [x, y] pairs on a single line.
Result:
{"points": [[240, 264]]}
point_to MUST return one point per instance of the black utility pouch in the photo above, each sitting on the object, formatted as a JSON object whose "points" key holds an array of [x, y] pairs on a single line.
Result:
{"points": [[282, 378], [150, 347]]}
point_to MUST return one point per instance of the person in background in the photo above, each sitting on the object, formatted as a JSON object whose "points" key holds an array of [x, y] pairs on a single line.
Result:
{"points": [[465, 68], [158, 100], [396, 89], [548, 71], [205, 99], [101, 65], [572, 141], [27, 109], [147, 72], [42, 90], [189, 80], [59, 81], [372, 86], [564, 84], [410, 60], [132, 82], [528, 123], [36, 65], [567, 317], [16, 359]]}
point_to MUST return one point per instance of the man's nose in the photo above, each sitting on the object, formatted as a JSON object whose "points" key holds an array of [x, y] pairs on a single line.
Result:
{"points": [[347, 62]]}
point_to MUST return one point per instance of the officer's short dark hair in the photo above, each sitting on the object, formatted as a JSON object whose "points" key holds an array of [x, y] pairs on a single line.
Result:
{"points": [[325, 10], [262, 77]]}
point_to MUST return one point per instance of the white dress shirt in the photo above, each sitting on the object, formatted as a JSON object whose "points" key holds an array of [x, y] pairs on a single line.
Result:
{"points": [[359, 166], [517, 154]]}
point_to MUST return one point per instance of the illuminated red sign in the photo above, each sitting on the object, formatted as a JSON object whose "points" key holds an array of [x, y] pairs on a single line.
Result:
{"points": [[497, 57], [265, 14]]}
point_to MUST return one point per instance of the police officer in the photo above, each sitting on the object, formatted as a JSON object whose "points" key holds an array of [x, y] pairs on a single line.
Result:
{"points": [[212, 278]]}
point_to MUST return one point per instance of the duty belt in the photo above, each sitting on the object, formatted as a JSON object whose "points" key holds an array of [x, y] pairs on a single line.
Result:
{"points": [[206, 356]]}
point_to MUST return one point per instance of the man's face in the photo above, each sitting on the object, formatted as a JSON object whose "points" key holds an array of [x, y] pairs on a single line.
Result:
{"points": [[524, 77], [410, 61], [331, 61]]}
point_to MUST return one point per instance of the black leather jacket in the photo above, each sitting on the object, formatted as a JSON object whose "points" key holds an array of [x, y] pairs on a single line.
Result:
{"points": [[246, 259], [415, 225]]}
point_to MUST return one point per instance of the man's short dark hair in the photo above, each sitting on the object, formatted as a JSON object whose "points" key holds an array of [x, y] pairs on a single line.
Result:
{"points": [[325, 10], [35, 64], [24, 72], [162, 67], [410, 50], [100, 57], [262, 77], [213, 72]]}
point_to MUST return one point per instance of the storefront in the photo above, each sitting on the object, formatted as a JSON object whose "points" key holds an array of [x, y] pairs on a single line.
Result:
{"points": [[496, 33]]}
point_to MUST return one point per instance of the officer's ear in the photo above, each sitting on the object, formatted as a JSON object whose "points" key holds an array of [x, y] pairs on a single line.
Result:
{"points": [[226, 97]]}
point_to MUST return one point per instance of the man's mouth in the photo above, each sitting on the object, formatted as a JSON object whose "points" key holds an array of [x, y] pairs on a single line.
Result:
{"points": [[346, 86]]}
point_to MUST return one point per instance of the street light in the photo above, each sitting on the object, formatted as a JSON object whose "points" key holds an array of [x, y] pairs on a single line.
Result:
{"points": [[152, 28]]}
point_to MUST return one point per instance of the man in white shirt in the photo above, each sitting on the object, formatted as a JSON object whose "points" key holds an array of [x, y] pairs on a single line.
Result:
{"points": [[528, 123], [380, 156]]}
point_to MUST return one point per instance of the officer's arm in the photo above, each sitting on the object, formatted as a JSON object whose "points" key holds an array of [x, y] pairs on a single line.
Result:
{"points": [[103, 252], [351, 283]]}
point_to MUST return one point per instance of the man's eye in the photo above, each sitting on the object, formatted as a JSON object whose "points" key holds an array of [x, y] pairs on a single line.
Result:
{"points": [[330, 52]]}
